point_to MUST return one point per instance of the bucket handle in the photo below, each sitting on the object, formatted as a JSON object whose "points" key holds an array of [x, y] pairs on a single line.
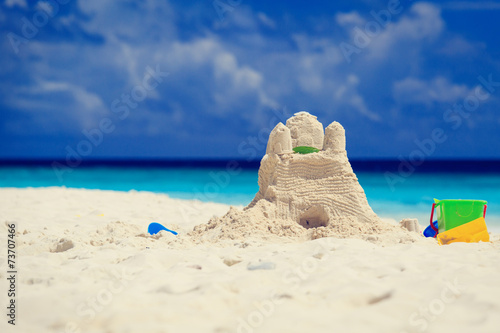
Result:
{"points": [[484, 211], [432, 224]]}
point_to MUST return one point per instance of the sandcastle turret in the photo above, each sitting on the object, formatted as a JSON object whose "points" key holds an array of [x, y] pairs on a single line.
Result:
{"points": [[280, 140], [305, 130], [334, 137]]}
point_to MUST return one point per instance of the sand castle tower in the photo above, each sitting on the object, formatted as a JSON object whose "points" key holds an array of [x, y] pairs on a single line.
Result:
{"points": [[314, 190]]}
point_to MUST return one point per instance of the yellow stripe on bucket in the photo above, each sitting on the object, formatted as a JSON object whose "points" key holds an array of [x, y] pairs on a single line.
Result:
{"points": [[472, 232]]}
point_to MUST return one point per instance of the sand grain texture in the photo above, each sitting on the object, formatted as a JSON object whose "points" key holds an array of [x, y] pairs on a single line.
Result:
{"points": [[116, 278]]}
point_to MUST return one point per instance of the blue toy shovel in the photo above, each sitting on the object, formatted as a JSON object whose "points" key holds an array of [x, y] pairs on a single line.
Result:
{"points": [[155, 228], [429, 232]]}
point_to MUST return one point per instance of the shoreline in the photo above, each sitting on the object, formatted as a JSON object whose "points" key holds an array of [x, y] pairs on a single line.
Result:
{"points": [[421, 215]]}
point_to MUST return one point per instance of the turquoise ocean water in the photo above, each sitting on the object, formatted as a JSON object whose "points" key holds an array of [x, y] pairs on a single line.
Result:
{"points": [[412, 197]]}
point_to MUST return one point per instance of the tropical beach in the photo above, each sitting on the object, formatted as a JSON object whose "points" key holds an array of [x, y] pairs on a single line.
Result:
{"points": [[232, 166]]}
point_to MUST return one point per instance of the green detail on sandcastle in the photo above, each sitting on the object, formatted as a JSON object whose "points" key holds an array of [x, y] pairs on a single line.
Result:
{"points": [[305, 150]]}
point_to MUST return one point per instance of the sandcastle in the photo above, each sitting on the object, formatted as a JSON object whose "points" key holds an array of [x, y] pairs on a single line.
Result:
{"points": [[304, 196], [316, 189]]}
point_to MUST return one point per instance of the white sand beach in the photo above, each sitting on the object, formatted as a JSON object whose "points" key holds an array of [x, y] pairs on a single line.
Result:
{"points": [[86, 264]]}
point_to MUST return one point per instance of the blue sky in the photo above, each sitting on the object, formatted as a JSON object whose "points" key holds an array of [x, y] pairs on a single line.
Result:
{"points": [[235, 68]]}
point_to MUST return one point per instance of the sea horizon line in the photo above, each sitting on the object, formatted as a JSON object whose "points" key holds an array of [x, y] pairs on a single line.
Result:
{"points": [[358, 164]]}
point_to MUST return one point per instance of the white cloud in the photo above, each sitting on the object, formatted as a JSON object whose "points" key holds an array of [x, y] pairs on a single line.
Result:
{"points": [[240, 17], [266, 20], [439, 89], [349, 19], [13, 3], [347, 94], [424, 23], [81, 106], [226, 69], [144, 21], [222, 74], [318, 71], [193, 53], [87, 100], [90, 101]]}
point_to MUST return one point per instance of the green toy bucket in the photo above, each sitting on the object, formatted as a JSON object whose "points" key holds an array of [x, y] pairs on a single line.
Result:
{"points": [[454, 213]]}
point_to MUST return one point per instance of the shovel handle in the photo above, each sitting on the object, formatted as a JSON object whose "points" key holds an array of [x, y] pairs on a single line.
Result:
{"points": [[432, 224]]}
